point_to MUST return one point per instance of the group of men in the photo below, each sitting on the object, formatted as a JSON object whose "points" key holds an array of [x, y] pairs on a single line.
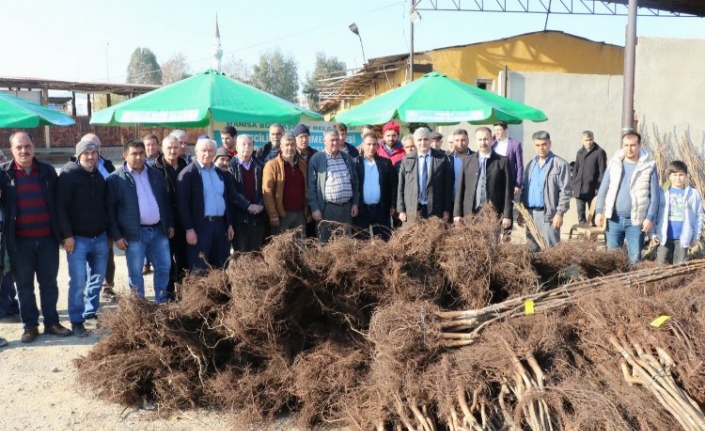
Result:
{"points": [[185, 214]]}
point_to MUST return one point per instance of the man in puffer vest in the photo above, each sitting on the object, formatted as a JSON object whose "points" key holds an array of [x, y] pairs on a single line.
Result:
{"points": [[628, 199]]}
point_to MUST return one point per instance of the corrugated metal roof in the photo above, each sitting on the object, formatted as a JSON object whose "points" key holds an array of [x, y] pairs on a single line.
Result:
{"points": [[689, 7], [81, 87]]}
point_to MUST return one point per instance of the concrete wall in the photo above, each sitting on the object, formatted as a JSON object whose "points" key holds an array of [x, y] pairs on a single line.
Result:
{"points": [[572, 103], [670, 85]]}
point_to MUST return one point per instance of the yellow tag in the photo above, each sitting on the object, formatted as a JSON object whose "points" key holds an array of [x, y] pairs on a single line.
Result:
{"points": [[529, 308], [660, 321]]}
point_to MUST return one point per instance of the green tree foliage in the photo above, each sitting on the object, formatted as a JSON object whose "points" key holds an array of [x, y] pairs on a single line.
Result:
{"points": [[277, 74], [143, 68], [325, 67], [175, 69]]}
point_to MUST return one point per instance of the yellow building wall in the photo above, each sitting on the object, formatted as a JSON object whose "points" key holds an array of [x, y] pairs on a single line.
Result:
{"points": [[548, 51]]}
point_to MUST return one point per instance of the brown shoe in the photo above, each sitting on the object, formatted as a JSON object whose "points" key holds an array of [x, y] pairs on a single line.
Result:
{"points": [[57, 330], [30, 334], [147, 269]]}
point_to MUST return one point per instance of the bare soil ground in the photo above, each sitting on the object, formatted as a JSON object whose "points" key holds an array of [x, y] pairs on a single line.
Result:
{"points": [[39, 390]]}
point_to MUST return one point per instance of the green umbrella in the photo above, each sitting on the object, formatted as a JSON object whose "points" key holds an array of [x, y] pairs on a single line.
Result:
{"points": [[435, 98], [19, 113], [200, 99]]}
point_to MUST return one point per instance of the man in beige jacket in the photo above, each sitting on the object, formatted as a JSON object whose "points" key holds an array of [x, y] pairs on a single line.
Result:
{"points": [[284, 188]]}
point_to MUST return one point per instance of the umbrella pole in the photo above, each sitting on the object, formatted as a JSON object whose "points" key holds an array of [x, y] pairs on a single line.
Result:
{"points": [[47, 136]]}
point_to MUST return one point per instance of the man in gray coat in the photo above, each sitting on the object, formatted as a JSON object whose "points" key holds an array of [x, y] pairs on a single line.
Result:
{"points": [[547, 191], [425, 182], [333, 187]]}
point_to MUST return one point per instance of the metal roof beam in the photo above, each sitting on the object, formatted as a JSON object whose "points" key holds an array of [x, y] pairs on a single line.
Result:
{"points": [[562, 7]]}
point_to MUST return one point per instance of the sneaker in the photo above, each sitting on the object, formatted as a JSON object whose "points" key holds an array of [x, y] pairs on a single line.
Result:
{"points": [[78, 329], [109, 294], [3, 342]]}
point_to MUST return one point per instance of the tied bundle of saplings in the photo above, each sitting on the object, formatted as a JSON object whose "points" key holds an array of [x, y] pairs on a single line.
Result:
{"points": [[616, 356], [253, 338]]}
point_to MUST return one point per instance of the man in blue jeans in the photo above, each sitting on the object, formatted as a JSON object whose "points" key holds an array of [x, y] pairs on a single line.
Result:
{"points": [[83, 220], [628, 197], [140, 219], [28, 189]]}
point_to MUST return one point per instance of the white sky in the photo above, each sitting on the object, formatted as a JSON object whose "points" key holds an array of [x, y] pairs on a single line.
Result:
{"points": [[91, 40]]}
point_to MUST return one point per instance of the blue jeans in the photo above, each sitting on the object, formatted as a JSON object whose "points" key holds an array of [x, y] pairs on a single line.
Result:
{"points": [[620, 229], [154, 244], [87, 266], [40, 257]]}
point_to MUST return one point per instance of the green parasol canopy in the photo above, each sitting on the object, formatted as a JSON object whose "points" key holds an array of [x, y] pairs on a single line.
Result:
{"points": [[435, 98], [19, 113], [200, 99]]}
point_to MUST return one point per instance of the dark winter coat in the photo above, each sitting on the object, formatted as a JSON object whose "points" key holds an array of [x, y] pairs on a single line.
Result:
{"points": [[81, 201], [588, 171], [123, 205], [48, 178]]}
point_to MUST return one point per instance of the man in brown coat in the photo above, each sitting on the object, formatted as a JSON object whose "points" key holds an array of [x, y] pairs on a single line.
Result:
{"points": [[284, 188]]}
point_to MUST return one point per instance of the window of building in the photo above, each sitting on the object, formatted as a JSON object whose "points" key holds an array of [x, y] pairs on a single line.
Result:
{"points": [[485, 84]]}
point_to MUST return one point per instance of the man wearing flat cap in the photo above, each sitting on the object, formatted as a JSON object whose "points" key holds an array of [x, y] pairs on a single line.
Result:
{"points": [[436, 140], [222, 159], [83, 220], [391, 147]]}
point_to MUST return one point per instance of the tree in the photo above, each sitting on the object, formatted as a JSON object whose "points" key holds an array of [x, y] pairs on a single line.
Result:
{"points": [[143, 68], [175, 69], [325, 67], [100, 101], [237, 69], [277, 74]]}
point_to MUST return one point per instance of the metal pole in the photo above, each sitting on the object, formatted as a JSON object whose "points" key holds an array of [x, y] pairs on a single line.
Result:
{"points": [[629, 67], [364, 59], [411, 44]]}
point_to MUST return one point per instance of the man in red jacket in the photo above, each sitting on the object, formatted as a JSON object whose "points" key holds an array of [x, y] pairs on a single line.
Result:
{"points": [[391, 148]]}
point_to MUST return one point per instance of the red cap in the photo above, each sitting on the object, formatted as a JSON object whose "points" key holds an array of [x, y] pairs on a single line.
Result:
{"points": [[391, 126]]}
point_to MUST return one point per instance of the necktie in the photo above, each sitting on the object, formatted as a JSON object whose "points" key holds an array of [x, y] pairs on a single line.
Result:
{"points": [[424, 179]]}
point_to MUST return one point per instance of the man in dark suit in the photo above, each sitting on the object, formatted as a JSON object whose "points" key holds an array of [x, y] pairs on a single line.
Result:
{"points": [[486, 177], [378, 187], [205, 206], [508, 147], [425, 182]]}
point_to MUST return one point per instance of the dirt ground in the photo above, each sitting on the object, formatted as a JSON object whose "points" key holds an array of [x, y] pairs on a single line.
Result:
{"points": [[40, 391]]}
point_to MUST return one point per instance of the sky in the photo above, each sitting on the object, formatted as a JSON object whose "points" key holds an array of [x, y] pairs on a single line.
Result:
{"points": [[92, 40]]}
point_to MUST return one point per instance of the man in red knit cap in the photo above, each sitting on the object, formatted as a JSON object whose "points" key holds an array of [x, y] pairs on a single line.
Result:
{"points": [[391, 147]]}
